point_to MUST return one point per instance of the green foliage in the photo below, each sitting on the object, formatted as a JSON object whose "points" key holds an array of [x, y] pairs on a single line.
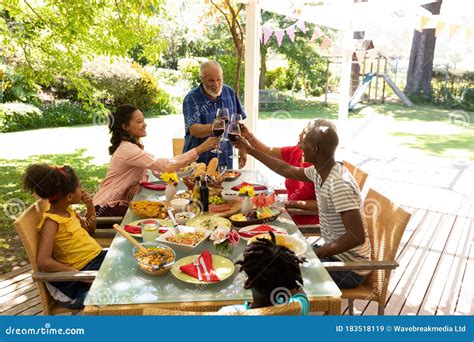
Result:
{"points": [[278, 79], [190, 67], [16, 116], [18, 86], [450, 94], [119, 80], [468, 97], [54, 38], [229, 69]]}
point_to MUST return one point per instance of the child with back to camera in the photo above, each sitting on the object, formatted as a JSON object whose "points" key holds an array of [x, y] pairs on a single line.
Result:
{"points": [[273, 273], [65, 238]]}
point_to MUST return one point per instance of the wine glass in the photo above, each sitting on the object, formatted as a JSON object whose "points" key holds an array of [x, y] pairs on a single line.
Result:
{"points": [[236, 118], [218, 128], [223, 113], [233, 132]]}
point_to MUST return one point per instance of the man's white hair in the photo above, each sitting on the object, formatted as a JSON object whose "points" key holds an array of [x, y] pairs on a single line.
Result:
{"points": [[207, 64]]}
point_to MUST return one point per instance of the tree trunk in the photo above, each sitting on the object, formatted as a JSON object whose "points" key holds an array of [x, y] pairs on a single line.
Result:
{"points": [[355, 72], [237, 76], [420, 68], [263, 68]]}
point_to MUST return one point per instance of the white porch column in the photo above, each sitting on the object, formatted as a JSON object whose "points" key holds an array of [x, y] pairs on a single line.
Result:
{"points": [[252, 66], [345, 80]]}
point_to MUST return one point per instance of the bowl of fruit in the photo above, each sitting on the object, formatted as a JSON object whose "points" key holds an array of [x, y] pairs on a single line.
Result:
{"points": [[256, 216]]}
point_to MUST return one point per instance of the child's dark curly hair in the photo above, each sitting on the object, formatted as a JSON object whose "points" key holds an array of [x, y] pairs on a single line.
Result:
{"points": [[269, 266], [50, 182]]}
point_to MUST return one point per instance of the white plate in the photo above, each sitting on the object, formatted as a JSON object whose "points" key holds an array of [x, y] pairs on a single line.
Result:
{"points": [[279, 230], [180, 246], [299, 246]]}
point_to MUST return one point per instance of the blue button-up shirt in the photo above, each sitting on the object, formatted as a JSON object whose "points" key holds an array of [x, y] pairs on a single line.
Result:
{"points": [[200, 109]]}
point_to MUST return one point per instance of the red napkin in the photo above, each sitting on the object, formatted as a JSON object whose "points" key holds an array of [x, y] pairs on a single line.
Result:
{"points": [[262, 229], [255, 187], [154, 186], [133, 229], [190, 269]]}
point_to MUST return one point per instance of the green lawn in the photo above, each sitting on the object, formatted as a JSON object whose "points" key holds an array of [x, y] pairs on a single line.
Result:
{"points": [[14, 199], [304, 110]]}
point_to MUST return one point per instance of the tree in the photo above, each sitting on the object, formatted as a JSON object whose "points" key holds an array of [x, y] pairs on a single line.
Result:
{"points": [[230, 10], [420, 68], [51, 39]]}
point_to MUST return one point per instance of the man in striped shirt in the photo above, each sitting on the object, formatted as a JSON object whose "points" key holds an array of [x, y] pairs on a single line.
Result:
{"points": [[341, 213]]}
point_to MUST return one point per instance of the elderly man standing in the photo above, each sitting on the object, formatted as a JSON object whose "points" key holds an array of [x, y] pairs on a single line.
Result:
{"points": [[200, 106]]}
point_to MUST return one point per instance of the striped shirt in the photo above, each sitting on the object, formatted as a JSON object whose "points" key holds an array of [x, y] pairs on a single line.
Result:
{"points": [[339, 193]]}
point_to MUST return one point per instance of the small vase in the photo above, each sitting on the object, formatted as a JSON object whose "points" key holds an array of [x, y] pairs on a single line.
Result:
{"points": [[247, 205], [170, 191], [225, 249]]}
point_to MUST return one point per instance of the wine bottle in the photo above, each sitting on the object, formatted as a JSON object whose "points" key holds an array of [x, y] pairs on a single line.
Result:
{"points": [[204, 194]]}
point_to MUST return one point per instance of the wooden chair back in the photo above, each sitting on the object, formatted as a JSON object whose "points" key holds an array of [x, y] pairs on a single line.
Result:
{"points": [[26, 226], [359, 175], [178, 144], [291, 309], [386, 223]]}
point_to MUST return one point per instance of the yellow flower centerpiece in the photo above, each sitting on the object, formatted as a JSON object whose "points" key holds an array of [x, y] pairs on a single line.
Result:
{"points": [[171, 179], [247, 190]]}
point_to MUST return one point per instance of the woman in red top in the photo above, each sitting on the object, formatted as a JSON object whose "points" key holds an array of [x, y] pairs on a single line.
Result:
{"points": [[301, 195]]}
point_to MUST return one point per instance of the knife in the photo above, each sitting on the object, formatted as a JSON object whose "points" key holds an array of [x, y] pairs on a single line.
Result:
{"points": [[203, 264]]}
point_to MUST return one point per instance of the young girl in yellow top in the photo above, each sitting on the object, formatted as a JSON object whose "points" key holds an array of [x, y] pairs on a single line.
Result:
{"points": [[65, 237]]}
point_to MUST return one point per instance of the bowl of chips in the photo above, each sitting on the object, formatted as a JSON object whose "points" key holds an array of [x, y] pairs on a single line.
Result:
{"points": [[149, 209]]}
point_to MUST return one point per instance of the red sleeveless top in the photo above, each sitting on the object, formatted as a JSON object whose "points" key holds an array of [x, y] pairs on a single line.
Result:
{"points": [[298, 190]]}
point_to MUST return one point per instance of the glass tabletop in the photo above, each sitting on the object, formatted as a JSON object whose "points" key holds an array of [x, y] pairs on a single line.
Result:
{"points": [[121, 281]]}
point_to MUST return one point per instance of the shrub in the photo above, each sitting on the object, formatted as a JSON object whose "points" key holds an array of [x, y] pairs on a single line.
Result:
{"points": [[190, 68], [277, 79], [66, 113], [229, 68], [119, 80], [18, 87], [468, 97], [16, 116]]}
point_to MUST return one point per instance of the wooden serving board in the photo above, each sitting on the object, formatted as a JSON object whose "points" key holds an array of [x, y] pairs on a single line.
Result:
{"points": [[236, 206]]}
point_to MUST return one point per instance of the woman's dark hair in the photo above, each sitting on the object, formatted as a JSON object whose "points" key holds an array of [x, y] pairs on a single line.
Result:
{"points": [[269, 266], [50, 182], [122, 115]]}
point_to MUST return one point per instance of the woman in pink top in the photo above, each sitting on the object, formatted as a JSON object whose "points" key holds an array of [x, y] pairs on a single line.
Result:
{"points": [[129, 161]]}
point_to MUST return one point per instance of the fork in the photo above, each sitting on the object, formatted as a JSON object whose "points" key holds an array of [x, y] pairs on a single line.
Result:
{"points": [[196, 264]]}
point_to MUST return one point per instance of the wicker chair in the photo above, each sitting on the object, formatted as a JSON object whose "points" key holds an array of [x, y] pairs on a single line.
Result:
{"points": [[386, 223], [359, 175], [178, 144], [26, 227], [291, 309]]}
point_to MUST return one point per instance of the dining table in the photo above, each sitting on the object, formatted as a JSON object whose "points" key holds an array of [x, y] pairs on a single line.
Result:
{"points": [[122, 288]]}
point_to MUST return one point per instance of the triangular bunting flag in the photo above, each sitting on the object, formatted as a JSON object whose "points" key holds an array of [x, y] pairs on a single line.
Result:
{"points": [[469, 33], [424, 20], [290, 31], [337, 50], [267, 33], [326, 43], [300, 24], [279, 33], [316, 35], [439, 27], [453, 28]]}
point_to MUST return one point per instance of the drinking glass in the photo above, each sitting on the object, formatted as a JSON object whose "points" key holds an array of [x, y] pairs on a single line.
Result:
{"points": [[218, 129], [223, 113], [233, 133]]}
